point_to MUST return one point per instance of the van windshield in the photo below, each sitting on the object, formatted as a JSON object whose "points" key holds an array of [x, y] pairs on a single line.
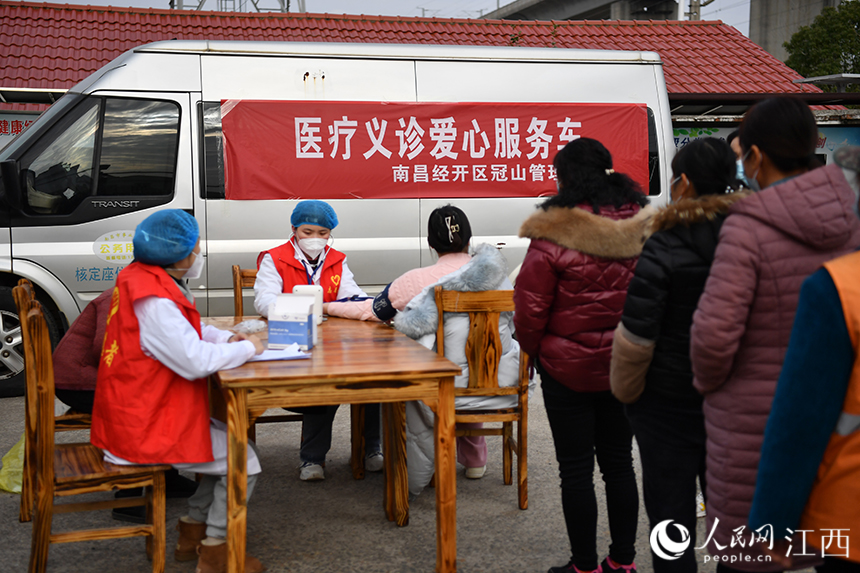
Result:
{"points": [[56, 110]]}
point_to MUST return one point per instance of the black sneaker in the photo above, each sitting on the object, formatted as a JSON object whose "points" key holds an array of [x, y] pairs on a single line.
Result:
{"points": [[133, 492], [607, 567], [135, 514], [571, 568]]}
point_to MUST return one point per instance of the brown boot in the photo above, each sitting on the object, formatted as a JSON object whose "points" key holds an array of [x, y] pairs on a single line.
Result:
{"points": [[213, 559], [190, 536]]}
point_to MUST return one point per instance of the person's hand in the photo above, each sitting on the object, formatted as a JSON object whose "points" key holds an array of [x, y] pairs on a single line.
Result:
{"points": [[259, 346], [239, 336], [778, 553], [325, 308]]}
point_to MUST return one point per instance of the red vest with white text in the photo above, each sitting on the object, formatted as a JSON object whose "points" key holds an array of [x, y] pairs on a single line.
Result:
{"points": [[293, 272], [143, 411]]}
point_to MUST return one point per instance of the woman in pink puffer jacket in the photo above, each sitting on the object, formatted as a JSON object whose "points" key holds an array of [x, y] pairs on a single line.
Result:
{"points": [[770, 242]]}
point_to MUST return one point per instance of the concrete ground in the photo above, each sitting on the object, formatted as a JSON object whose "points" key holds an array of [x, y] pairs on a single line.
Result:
{"points": [[339, 524]]}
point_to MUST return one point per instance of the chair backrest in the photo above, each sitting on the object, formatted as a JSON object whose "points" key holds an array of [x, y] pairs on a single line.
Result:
{"points": [[484, 343], [242, 278], [40, 384]]}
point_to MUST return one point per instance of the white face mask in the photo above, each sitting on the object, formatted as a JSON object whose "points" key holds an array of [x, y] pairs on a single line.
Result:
{"points": [[196, 268], [192, 272], [312, 247]]}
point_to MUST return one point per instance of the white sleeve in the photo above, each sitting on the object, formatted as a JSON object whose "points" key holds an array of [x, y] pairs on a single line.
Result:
{"points": [[167, 336], [268, 285], [348, 286], [211, 334]]}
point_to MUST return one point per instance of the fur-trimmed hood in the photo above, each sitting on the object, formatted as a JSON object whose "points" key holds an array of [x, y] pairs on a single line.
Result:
{"points": [[486, 271], [581, 230], [687, 211]]}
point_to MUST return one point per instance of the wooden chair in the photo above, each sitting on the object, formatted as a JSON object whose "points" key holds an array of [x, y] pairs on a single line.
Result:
{"points": [[483, 352], [242, 279], [74, 469], [69, 421], [245, 278]]}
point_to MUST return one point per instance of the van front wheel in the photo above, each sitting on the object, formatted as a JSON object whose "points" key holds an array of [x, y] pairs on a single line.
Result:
{"points": [[12, 378]]}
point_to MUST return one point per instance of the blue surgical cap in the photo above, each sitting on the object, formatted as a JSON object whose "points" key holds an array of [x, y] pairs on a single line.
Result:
{"points": [[165, 237], [314, 213]]}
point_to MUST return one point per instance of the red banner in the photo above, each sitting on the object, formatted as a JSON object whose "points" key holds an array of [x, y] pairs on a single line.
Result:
{"points": [[380, 150]]}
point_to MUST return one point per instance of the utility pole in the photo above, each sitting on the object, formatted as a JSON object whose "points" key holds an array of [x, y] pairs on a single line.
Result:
{"points": [[696, 6]]}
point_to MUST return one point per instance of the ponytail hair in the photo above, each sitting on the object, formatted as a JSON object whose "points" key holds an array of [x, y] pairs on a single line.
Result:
{"points": [[709, 164], [585, 175], [448, 230]]}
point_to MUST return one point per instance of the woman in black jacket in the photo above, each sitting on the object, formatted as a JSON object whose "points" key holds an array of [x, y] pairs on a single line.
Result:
{"points": [[652, 342]]}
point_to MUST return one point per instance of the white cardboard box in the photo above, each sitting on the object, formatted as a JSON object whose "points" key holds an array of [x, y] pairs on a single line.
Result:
{"points": [[291, 320], [317, 292]]}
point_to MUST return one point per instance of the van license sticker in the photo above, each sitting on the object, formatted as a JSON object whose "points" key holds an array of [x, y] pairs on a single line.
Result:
{"points": [[115, 247]]}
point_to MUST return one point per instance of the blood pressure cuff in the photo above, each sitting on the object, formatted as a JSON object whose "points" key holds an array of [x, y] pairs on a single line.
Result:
{"points": [[382, 307]]}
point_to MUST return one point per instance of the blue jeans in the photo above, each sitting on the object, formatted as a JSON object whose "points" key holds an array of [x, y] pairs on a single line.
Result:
{"points": [[585, 424], [316, 432]]}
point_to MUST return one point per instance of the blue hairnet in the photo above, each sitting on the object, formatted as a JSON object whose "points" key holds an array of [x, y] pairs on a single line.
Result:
{"points": [[314, 212], [165, 237]]}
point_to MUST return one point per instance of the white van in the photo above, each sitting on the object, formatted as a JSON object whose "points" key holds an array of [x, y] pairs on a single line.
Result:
{"points": [[465, 125]]}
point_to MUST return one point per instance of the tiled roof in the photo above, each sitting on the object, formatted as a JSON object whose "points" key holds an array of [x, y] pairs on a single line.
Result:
{"points": [[56, 45]]}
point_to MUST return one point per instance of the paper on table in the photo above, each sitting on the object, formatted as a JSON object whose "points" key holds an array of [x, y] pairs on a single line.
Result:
{"points": [[291, 352]]}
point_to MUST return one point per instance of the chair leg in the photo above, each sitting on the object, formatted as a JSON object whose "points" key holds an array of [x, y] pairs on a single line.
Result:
{"points": [[28, 479], [507, 452], [41, 540], [356, 415], [155, 516], [522, 463]]}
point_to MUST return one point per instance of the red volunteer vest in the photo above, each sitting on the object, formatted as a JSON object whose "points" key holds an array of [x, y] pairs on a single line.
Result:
{"points": [[833, 503], [293, 272], [143, 411]]}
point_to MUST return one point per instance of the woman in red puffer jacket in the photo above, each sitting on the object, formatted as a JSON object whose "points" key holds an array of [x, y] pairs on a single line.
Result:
{"points": [[569, 296]]}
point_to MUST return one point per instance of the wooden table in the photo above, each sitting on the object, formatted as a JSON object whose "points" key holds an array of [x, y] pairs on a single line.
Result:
{"points": [[358, 363]]}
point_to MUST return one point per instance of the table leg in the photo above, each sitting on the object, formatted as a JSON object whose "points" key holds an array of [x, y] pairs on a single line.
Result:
{"points": [[387, 463], [446, 483], [237, 478], [397, 485], [356, 421]]}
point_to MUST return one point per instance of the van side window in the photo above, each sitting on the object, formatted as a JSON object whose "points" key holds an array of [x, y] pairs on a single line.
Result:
{"points": [[139, 144], [134, 143], [213, 151]]}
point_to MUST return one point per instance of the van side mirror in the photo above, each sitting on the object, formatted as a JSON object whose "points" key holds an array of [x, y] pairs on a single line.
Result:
{"points": [[10, 183]]}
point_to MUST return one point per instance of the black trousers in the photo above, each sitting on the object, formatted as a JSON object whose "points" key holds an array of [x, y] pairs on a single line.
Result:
{"points": [[671, 438], [839, 565], [585, 424]]}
